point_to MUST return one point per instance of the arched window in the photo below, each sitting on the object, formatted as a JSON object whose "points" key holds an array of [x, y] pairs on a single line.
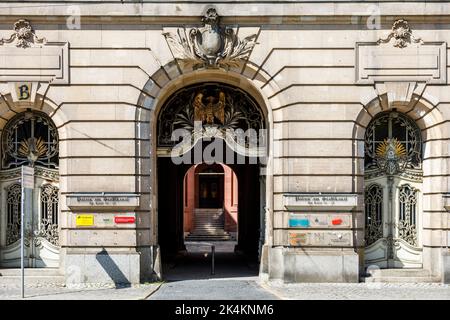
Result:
{"points": [[30, 138]]}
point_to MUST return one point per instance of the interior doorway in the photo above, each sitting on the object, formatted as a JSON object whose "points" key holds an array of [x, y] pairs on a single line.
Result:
{"points": [[210, 187], [210, 203]]}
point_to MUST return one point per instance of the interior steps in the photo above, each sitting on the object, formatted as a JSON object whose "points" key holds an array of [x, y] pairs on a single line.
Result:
{"points": [[208, 226], [400, 276]]}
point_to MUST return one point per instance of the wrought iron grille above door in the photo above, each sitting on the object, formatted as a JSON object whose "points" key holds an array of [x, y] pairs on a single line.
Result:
{"points": [[30, 138]]}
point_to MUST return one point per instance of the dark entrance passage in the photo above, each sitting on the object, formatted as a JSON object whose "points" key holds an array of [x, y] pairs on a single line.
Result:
{"points": [[170, 207], [190, 123], [196, 263], [178, 256]]}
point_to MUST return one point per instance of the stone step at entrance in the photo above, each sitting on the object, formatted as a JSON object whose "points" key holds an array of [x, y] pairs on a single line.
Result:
{"points": [[208, 226], [33, 276], [400, 276], [208, 210], [209, 232], [207, 238]]}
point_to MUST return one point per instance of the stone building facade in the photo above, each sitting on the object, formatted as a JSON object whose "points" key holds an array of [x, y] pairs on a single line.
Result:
{"points": [[352, 98]]}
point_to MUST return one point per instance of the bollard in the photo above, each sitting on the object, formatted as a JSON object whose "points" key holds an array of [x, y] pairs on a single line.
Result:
{"points": [[213, 250]]}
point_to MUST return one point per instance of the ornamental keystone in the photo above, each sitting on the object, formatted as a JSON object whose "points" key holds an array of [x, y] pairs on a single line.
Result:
{"points": [[210, 46]]}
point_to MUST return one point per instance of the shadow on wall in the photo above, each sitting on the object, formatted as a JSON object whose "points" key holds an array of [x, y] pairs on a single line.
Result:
{"points": [[113, 271]]}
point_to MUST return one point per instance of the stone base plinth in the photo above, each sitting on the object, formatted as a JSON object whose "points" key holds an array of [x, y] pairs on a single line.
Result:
{"points": [[446, 266], [102, 267], [299, 265]]}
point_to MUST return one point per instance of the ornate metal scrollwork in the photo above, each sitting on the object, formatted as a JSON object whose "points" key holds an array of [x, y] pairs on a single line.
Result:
{"points": [[30, 138], [49, 214], [393, 146], [217, 107], [210, 45], [48, 227], [407, 220], [374, 213], [13, 212], [391, 156]]}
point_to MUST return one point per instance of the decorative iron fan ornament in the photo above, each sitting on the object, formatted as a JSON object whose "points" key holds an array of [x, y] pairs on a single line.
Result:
{"points": [[391, 156], [207, 112], [32, 149]]}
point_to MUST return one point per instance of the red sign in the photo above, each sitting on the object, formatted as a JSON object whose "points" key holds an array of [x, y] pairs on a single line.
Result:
{"points": [[336, 222], [124, 219]]}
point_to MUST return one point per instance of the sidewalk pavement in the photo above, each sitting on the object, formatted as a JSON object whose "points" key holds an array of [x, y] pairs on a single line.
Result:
{"points": [[357, 291], [291, 291], [50, 291]]}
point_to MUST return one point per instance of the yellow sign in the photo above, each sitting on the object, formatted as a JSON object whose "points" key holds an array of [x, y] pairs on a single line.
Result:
{"points": [[85, 220]]}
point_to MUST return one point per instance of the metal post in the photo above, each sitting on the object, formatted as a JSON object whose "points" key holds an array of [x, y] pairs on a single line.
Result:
{"points": [[390, 235], [213, 251], [27, 183], [22, 234]]}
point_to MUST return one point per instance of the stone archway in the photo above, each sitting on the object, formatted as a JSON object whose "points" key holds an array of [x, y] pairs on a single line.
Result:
{"points": [[216, 109], [249, 77], [31, 135], [428, 118]]}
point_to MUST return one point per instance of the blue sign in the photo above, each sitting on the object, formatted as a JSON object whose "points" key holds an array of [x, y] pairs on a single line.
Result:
{"points": [[299, 223]]}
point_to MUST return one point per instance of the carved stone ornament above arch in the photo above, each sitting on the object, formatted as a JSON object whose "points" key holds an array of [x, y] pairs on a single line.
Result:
{"points": [[28, 57], [210, 46], [401, 57]]}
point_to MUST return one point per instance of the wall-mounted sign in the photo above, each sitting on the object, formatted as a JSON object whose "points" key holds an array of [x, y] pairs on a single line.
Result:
{"points": [[298, 239], [124, 219], [300, 201], [320, 238], [101, 219], [103, 200], [298, 222], [320, 220], [85, 220]]}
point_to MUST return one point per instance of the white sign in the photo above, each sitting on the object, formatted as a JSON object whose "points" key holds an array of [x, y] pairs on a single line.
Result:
{"points": [[320, 201], [104, 200]]}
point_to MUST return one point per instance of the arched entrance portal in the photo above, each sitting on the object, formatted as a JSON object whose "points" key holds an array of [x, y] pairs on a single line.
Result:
{"points": [[206, 132]]}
